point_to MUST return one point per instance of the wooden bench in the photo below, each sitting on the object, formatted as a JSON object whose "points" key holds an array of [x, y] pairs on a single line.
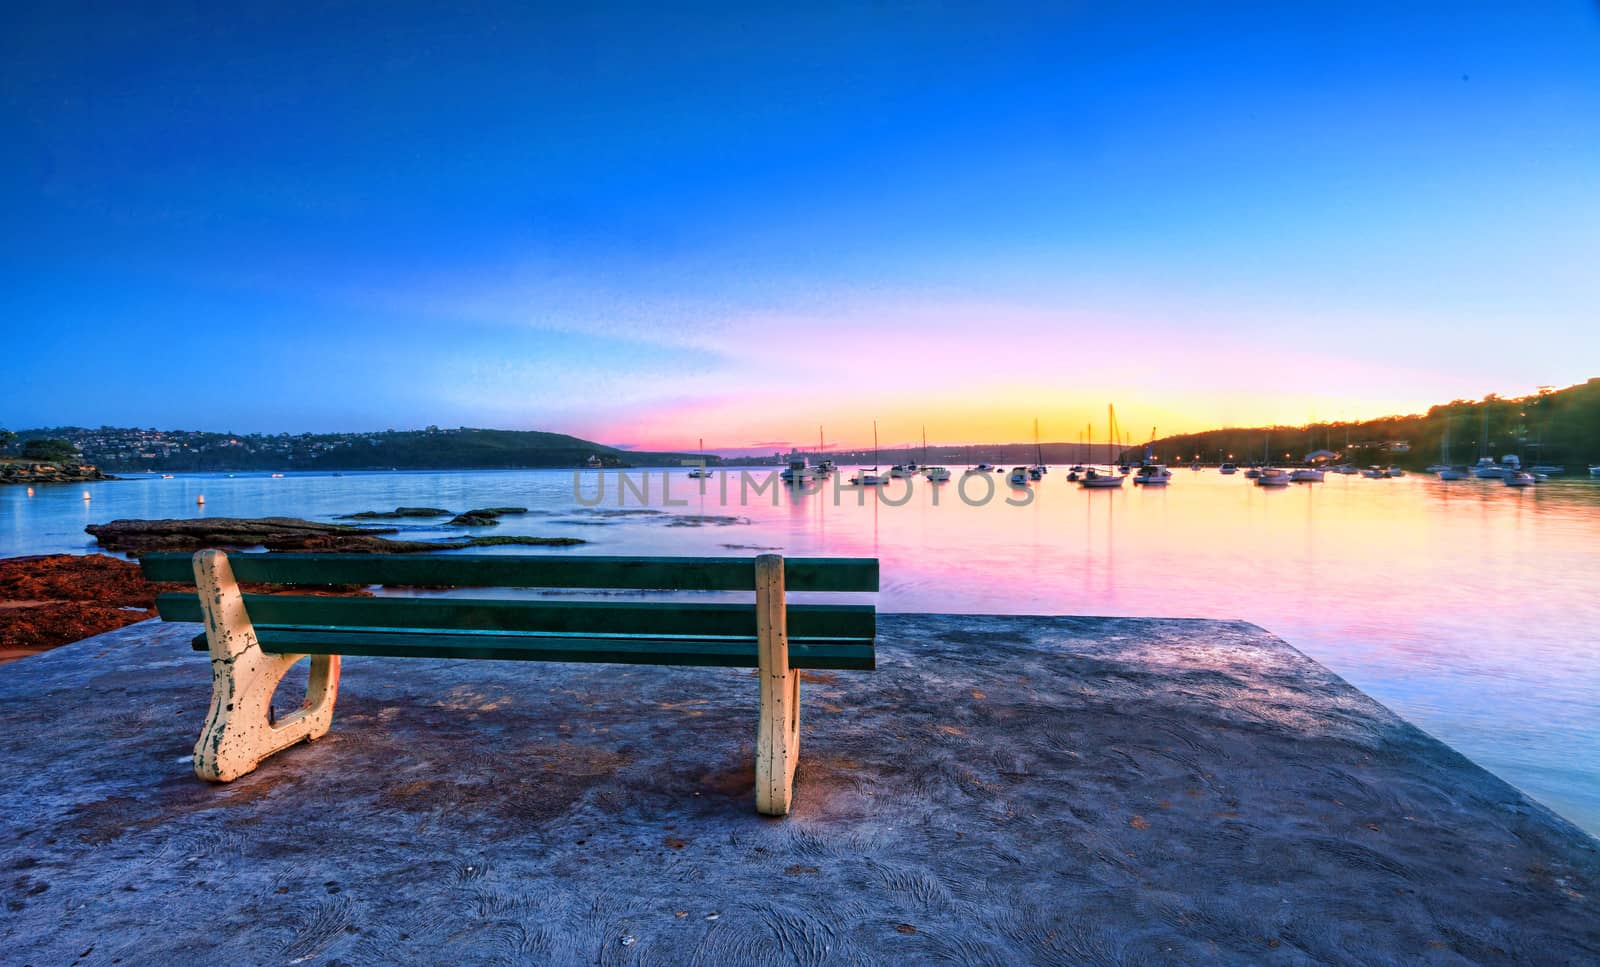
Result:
{"points": [[255, 639]]}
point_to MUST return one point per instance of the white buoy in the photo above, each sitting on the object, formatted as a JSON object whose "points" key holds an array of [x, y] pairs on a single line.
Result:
{"points": [[200, 499], [86, 495], [30, 491]]}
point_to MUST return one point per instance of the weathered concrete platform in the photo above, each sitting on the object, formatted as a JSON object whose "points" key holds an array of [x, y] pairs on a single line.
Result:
{"points": [[1001, 790]]}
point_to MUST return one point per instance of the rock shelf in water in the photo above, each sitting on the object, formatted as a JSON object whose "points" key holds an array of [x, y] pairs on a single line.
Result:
{"points": [[281, 534]]}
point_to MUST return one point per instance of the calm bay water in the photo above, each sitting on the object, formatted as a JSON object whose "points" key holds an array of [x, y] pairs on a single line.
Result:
{"points": [[1469, 608]]}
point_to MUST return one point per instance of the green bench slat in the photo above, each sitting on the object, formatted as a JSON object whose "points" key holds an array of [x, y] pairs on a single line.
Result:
{"points": [[725, 653], [527, 571], [599, 617]]}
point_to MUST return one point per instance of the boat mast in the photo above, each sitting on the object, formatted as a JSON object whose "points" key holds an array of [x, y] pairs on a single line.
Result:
{"points": [[1111, 430]]}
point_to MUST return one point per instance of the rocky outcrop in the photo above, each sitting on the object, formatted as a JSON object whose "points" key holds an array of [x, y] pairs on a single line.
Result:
{"points": [[273, 533], [57, 599], [485, 516], [280, 534], [46, 473], [60, 598], [397, 513]]}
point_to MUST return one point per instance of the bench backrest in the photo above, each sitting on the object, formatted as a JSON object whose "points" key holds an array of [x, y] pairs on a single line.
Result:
{"points": [[820, 635]]}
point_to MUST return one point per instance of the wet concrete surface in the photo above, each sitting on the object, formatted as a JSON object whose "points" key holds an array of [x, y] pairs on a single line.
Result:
{"points": [[1001, 790]]}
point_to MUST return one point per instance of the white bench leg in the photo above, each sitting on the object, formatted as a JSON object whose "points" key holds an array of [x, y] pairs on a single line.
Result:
{"points": [[778, 735], [239, 733]]}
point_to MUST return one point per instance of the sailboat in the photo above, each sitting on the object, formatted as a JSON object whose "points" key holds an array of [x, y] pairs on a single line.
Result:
{"points": [[1038, 470], [701, 472], [870, 478], [1268, 475], [1445, 469], [824, 467], [1077, 468], [1486, 468], [934, 474], [1095, 479]]}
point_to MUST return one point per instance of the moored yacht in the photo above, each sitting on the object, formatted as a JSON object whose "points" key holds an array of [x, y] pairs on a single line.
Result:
{"points": [[1452, 473], [1018, 476], [1098, 479], [870, 478], [1152, 475], [1228, 468], [1520, 478], [936, 474], [1272, 477], [798, 471], [1306, 475], [702, 472]]}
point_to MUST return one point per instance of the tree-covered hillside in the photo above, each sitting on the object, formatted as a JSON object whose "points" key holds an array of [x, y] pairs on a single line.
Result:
{"points": [[125, 449], [1552, 426]]}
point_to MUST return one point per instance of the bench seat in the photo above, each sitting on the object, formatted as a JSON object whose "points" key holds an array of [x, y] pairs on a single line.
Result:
{"points": [[253, 639]]}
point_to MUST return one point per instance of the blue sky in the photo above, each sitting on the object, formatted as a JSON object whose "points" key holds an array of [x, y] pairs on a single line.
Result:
{"points": [[734, 224]]}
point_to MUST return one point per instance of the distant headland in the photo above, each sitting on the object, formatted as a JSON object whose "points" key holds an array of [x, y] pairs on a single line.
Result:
{"points": [[130, 449], [1550, 425]]}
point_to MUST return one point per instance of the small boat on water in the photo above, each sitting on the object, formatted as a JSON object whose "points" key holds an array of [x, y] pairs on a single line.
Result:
{"points": [[277, 475], [870, 478], [1038, 470], [1152, 475], [1374, 473], [985, 468], [1097, 480], [798, 471], [1393, 471], [1594, 472], [1018, 476], [1254, 473], [1272, 477], [1520, 478], [902, 470], [1452, 473], [1093, 479], [1228, 469], [166, 476], [1306, 475], [1487, 469], [936, 474], [701, 472]]}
